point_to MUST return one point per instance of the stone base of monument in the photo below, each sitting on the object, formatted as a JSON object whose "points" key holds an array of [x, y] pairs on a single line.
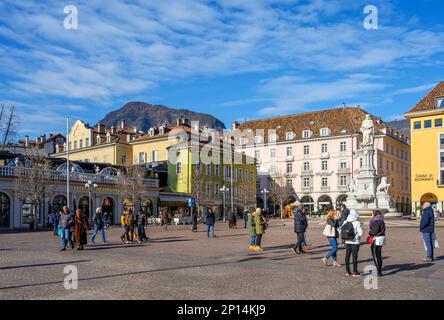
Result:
{"points": [[393, 214]]}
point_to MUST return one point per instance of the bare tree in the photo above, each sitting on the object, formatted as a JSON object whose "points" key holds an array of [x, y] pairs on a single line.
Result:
{"points": [[197, 184], [280, 192], [132, 183], [33, 183], [244, 196], [8, 125]]}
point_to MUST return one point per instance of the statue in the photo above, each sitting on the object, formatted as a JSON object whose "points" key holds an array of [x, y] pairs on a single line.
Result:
{"points": [[352, 186], [383, 187], [368, 131]]}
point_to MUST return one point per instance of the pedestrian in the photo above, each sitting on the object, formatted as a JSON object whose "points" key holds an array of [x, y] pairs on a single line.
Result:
{"points": [[344, 214], [252, 229], [129, 227], [164, 218], [141, 223], [245, 218], [427, 229], [259, 222], [81, 227], [99, 225], [300, 226], [376, 239], [210, 220], [66, 221], [106, 220], [232, 220], [332, 234], [351, 232], [54, 218], [194, 216]]}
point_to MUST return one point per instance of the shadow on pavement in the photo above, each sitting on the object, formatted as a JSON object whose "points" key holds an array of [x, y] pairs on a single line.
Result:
{"points": [[405, 267], [42, 264]]}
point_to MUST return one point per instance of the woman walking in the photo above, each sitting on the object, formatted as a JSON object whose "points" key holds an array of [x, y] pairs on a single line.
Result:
{"points": [[331, 232], [260, 222], [376, 234], [252, 230], [351, 232], [81, 227]]}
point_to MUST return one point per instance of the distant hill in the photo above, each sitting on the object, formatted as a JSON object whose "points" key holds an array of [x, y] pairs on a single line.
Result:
{"points": [[144, 116], [402, 126]]}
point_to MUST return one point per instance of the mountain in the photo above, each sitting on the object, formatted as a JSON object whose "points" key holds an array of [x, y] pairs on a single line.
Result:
{"points": [[144, 116], [402, 126]]}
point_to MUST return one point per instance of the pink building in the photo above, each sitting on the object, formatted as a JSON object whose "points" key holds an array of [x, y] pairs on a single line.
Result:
{"points": [[314, 154]]}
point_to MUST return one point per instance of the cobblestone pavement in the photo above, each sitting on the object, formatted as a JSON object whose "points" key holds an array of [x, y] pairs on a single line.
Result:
{"points": [[179, 264]]}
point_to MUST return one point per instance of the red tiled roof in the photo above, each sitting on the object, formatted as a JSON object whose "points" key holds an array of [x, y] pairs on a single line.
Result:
{"points": [[429, 101]]}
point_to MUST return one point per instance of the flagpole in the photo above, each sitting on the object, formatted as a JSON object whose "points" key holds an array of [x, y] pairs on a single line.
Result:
{"points": [[67, 163]]}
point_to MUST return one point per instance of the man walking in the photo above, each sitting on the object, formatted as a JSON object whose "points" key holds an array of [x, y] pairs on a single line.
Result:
{"points": [[141, 222], [300, 226], [99, 225], [427, 228], [66, 221], [245, 218], [210, 219]]}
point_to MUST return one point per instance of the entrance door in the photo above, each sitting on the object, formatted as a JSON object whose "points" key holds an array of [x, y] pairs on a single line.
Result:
{"points": [[4, 210]]}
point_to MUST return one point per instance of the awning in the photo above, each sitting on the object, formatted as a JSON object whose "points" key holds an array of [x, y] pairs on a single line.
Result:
{"points": [[173, 200]]}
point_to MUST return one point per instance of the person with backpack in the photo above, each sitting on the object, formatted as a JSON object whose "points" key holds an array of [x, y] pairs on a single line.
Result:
{"points": [[351, 232], [260, 224], [99, 225], [300, 226], [66, 221], [427, 229], [210, 220], [331, 232], [252, 230], [376, 239]]}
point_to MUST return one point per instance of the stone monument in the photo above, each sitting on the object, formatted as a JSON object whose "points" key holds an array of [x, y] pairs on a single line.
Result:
{"points": [[366, 193]]}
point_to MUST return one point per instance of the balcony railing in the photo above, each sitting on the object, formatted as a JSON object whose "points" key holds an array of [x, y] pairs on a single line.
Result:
{"points": [[16, 172], [308, 172], [307, 189], [344, 170], [325, 155]]}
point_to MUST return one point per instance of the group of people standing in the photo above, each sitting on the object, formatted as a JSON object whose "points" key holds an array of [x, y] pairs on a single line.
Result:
{"points": [[132, 223]]}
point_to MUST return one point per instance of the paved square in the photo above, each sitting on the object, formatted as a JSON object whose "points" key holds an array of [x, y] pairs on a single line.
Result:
{"points": [[179, 264]]}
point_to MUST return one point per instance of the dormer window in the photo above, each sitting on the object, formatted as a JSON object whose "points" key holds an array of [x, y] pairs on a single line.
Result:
{"points": [[161, 130], [306, 134], [289, 136], [324, 132], [151, 132], [440, 102], [272, 137], [258, 139]]}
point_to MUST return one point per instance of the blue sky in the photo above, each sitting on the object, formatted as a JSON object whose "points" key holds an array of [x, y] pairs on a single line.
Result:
{"points": [[234, 59]]}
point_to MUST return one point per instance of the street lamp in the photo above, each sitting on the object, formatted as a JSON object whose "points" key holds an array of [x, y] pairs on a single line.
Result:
{"points": [[264, 193], [90, 186], [224, 190]]}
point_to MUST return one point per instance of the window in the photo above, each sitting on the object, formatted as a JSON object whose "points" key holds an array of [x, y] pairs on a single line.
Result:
{"points": [[324, 165], [86, 142], [438, 123], [75, 145], [216, 189], [343, 181], [324, 148], [306, 182], [208, 188], [251, 175], [141, 157], [290, 183], [257, 154], [208, 167], [154, 155], [81, 143], [324, 182], [343, 146], [440, 102], [387, 165], [417, 125], [306, 134], [289, 151], [427, 124], [289, 136], [306, 149], [258, 139], [273, 168], [325, 132], [441, 140], [289, 167], [272, 153], [123, 159], [216, 170], [343, 164], [306, 166], [272, 137]]}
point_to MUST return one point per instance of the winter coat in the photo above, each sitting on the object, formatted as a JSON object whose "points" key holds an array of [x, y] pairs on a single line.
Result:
{"points": [[300, 222], [141, 219], [210, 218], [66, 220], [98, 220], [54, 219], [80, 229], [354, 219], [259, 221], [251, 225], [344, 216], [376, 227], [427, 224], [129, 219], [246, 215]]}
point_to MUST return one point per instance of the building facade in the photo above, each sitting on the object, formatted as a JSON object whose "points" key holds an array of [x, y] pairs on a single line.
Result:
{"points": [[427, 140], [315, 155]]}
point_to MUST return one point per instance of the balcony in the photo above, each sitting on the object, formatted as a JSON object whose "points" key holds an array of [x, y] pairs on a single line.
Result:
{"points": [[342, 188], [56, 175], [344, 170], [307, 189], [289, 158], [306, 172]]}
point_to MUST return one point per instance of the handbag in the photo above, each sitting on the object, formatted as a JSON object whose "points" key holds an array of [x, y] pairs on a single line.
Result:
{"points": [[370, 240], [329, 231]]}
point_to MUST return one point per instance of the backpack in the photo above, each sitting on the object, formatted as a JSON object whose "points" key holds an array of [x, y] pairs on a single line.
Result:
{"points": [[348, 231]]}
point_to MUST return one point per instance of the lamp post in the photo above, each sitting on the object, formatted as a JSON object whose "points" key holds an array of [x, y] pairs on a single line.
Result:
{"points": [[264, 193], [90, 186], [224, 190]]}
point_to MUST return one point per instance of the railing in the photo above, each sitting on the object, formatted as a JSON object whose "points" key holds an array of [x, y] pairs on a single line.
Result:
{"points": [[344, 170], [308, 172], [307, 189], [16, 172]]}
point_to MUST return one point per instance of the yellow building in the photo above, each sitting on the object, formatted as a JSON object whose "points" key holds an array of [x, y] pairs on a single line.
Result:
{"points": [[427, 145]]}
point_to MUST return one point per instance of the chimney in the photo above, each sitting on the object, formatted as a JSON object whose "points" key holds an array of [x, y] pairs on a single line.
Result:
{"points": [[113, 129], [100, 127], [135, 129], [128, 138], [26, 141], [122, 124], [43, 138], [235, 125]]}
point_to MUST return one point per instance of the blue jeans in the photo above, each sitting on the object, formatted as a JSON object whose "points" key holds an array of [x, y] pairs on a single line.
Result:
{"points": [[65, 237], [253, 241], [96, 230], [428, 240], [334, 248], [258, 240], [210, 230]]}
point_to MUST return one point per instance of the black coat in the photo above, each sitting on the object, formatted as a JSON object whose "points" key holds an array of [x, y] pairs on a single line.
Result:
{"points": [[300, 222], [210, 218], [377, 229]]}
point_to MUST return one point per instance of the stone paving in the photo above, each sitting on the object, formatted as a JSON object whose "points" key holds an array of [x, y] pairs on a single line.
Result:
{"points": [[179, 264]]}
